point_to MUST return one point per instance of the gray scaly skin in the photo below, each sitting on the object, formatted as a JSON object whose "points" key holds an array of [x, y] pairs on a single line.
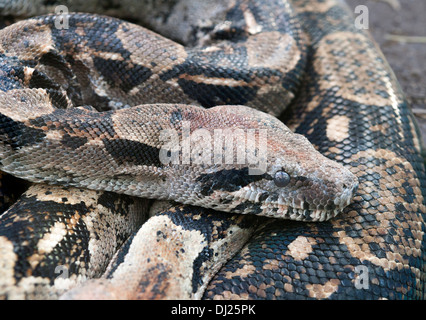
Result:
{"points": [[349, 105], [124, 156], [122, 148]]}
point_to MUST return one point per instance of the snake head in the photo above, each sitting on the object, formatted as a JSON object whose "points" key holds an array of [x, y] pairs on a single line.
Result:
{"points": [[302, 184], [297, 182]]}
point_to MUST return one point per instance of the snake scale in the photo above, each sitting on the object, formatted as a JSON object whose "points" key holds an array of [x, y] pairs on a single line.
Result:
{"points": [[333, 210]]}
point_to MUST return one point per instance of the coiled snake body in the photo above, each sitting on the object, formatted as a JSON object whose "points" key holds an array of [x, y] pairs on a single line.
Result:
{"points": [[93, 167]]}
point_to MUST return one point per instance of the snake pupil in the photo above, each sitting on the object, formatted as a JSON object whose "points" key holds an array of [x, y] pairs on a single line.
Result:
{"points": [[281, 179]]}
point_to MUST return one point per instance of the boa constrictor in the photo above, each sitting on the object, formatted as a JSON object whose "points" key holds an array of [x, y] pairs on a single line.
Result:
{"points": [[99, 114]]}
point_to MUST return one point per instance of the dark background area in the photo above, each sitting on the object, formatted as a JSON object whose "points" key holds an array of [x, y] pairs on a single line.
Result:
{"points": [[399, 27]]}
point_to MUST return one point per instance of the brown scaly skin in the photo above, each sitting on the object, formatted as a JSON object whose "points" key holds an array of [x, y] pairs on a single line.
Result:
{"points": [[350, 115], [55, 237], [375, 135], [122, 153], [124, 148]]}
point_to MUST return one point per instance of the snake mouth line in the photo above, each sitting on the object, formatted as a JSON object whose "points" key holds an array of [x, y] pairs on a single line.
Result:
{"points": [[274, 209], [299, 210], [306, 214], [304, 211]]}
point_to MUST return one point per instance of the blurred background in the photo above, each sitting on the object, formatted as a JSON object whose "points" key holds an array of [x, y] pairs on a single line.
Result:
{"points": [[399, 27]]}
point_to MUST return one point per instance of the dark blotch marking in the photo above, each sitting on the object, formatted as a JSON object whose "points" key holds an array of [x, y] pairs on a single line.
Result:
{"points": [[58, 98], [176, 116], [56, 60], [211, 95], [197, 279], [11, 73], [226, 180], [161, 276], [410, 194], [36, 219], [40, 80], [263, 196], [78, 120], [300, 178], [246, 207], [117, 204], [213, 225], [133, 152], [121, 255], [121, 73], [17, 135], [73, 142]]}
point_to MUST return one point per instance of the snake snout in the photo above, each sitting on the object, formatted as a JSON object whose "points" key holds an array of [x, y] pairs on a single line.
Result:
{"points": [[348, 188], [330, 189], [341, 186]]}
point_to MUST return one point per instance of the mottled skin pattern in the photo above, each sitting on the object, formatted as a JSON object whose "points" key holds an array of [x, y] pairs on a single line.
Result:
{"points": [[176, 261], [65, 236], [123, 154], [367, 126], [352, 110]]}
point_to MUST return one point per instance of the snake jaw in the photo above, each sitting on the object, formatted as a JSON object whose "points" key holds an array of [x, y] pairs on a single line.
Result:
{"points": [[300, 214], [313, 200]]}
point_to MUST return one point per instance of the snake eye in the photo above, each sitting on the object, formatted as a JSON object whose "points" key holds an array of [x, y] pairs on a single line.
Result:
{"points": [[281, 179]]}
